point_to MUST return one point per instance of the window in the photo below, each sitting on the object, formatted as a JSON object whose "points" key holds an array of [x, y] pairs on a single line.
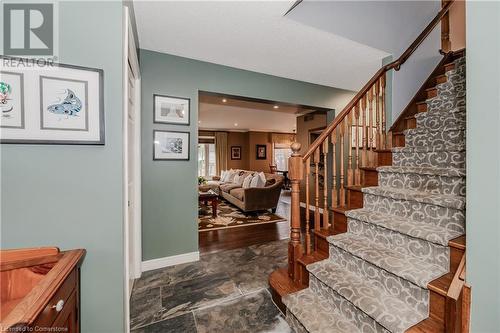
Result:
{"points": [[206, 160], [281, 154]]}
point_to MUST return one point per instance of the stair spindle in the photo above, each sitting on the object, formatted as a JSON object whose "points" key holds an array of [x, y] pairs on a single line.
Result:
{"points": [[326, 219], [384, 134], [308, 235], [377, 115], [334, 169], [370, 129], [317, 218], [341, 141], [365, 132], [350, 169], [357, 172]]}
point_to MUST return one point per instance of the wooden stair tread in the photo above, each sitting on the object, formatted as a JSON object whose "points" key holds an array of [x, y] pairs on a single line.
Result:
{"points": [[458, 242], [355, 187], [427, 325], [421, 102], [323, 233], [387, 150], [282, 283], [339, 209], [441, 285], [312, 258], [431, 89], [368, 168]]}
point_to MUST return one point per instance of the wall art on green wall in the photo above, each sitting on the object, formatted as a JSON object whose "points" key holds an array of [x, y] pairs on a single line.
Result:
{"points": [[51, 104], [171, 145], [171, 110]]}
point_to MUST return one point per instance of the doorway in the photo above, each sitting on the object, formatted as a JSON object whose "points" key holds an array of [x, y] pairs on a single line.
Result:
{"points": [[131, 165]]}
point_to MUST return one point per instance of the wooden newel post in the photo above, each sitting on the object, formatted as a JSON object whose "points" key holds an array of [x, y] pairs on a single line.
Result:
{"points": [[296, 173]]}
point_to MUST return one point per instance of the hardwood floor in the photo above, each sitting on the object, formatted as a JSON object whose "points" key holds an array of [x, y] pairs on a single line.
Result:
{"points": [[227, 239]]}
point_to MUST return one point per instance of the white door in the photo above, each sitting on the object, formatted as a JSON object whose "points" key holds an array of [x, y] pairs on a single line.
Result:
{"points": [[131, 166], [131, 186]]}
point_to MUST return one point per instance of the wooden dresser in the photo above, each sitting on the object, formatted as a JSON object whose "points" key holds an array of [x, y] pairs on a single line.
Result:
{"points": [[40, 290]]}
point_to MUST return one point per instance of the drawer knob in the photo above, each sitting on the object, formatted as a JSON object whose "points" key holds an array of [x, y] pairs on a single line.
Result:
{"points": [[59, 305]]}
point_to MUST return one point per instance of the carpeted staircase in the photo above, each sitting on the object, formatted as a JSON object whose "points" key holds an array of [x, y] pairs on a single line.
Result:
{"points": [[377, 273]]}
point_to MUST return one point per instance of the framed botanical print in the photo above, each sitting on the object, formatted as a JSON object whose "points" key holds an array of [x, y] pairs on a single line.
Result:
{"points": [[171, 110], [236, 152], [60, 104], [261, 152], [170, 145]]}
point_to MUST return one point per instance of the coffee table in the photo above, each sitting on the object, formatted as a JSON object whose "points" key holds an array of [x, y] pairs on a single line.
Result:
{"points": [[211, 196]]}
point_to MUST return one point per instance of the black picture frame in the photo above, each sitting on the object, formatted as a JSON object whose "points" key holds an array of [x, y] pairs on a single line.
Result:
{"points": [[171, 159], [235, 152], [261, 152], [155, 121], [102, 126]]}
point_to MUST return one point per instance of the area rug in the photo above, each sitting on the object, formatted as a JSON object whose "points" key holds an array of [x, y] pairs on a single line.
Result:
{"points": [[229, 216]]}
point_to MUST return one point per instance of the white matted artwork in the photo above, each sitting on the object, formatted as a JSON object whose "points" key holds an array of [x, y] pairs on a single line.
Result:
{"points": [[171, 110], [170, 145], [11, 100], [62, 104]]}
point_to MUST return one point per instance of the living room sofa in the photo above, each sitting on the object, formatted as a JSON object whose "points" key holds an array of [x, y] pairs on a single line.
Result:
{"points": [[252, 198]]}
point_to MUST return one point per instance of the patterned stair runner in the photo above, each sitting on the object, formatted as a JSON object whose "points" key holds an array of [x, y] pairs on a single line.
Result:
{"points": [[376, 277]]}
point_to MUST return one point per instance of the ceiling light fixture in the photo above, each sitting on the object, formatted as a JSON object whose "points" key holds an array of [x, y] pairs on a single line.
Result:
{"points": [[224, 100], [275, 107], [235, 124]]}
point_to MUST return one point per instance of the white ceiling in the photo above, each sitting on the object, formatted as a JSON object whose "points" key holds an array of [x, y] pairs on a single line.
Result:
{"points": [[233, 118], [254, 35]]}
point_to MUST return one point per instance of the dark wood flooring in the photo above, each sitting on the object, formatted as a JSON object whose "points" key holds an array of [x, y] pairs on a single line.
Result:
{"points": [[232, 238]]}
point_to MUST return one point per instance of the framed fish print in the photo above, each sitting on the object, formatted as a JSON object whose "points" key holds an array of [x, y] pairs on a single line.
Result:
{"points": [[171, 110], [170, 145], [59, 104]]}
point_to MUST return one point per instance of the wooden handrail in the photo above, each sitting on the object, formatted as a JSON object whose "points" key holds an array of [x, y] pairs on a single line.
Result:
{"points": [[458, 281], [454, 320], [396, 65]]}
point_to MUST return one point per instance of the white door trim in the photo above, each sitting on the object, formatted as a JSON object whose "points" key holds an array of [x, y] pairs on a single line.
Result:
{"points": [[132, 269]]}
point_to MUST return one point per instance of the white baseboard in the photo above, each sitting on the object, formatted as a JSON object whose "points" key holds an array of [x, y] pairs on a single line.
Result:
{"points": [[149, 265]]}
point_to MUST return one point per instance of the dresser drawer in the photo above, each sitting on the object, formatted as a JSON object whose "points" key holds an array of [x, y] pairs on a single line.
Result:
{"points": [[58, 302]]}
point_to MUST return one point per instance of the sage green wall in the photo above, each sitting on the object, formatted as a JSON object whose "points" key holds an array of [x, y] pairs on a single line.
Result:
{"points": [[169, 195], [71, 196], [483, 163]]}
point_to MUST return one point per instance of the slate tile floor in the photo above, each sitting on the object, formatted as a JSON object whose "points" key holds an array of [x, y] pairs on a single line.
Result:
{"points": [[223, 292]]}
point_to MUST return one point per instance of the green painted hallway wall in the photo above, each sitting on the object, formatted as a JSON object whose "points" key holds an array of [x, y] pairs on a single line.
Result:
{"points": [[71, 196], [483, 163], [169, 188]]}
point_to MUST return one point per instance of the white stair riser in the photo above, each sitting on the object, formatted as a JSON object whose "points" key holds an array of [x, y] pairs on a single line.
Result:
{"points": [[448, 218], [425, 183]]}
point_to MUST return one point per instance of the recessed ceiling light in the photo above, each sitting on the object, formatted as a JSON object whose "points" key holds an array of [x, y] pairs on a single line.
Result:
{"points": [[235, 124], [224, 100], [199, 121], [275, 107]]}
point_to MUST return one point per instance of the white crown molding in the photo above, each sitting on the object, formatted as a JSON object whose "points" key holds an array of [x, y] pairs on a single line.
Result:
{"points": [[152, 264]]}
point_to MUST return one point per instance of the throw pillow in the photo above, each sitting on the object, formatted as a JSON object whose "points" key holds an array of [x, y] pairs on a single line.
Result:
{"points": [[262, 180], [231, 176], [247, 181], [223, 175]]}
